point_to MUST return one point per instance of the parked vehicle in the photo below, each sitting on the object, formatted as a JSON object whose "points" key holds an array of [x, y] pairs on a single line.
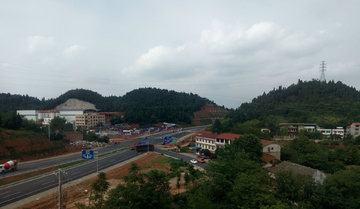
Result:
{"points": [[200, 159], [144, 147], [9, 166], [193, 161], [132, 147]]}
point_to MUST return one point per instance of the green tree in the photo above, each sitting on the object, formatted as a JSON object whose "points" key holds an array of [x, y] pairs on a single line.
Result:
{"points": [[216, 126]]}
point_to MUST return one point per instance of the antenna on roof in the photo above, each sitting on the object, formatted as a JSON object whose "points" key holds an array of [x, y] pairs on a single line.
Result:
{"points": [[322, 70]]}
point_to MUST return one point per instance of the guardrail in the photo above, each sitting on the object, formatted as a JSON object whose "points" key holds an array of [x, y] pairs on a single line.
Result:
{"points": [[107, 154]]}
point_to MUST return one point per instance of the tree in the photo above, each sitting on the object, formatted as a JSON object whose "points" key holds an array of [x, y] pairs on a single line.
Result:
{"points": [[342, 189], [97, 200], [216, 127]]}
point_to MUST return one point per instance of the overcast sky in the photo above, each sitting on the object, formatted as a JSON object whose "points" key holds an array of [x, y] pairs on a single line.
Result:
{"points": [[226, 51]]}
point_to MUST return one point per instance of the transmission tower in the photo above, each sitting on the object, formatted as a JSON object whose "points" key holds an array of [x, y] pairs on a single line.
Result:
{"points": [[322, 70]]}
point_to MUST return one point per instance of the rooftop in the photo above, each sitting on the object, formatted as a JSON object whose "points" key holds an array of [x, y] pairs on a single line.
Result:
{"points": [[296, 168], [228, 136], [267, 142]]}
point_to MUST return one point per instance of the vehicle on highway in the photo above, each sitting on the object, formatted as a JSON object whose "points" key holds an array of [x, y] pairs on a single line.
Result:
{"points": [[9, 166], [144, 147], [193, 161]]}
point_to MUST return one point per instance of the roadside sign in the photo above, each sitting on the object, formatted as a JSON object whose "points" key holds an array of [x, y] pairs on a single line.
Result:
{"points": [[143, 142], [175, 141], [167, 139], [87, 154]]}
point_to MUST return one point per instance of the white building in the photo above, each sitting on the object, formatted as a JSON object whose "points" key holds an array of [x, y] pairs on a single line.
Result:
{"points": [[353, 129], [336, 131], [271, 148], [206, 141]]}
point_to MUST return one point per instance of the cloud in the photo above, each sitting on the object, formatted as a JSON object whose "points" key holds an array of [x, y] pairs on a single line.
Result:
{"points": [[73, 50], [40, 44], [228, 50]]}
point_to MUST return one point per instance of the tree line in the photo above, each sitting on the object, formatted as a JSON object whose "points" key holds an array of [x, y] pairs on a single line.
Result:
{"points": [[144, 105]]}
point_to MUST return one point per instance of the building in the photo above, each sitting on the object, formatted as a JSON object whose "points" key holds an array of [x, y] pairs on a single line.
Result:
{"points": [[212, 141], [353, 129], [272, 148], [89, 120], [339, 131], [109, 115], [294, 128], [317, 175], [206, 141], [225, 138]]}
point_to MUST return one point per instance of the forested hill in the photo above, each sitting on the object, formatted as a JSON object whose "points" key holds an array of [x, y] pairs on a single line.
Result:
{"points": [[144, 105], [150, 105], [328, 104]]}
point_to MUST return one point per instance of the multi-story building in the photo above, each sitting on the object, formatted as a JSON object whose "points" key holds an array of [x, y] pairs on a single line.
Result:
{"points": [[225, 138], [206, 141], [294, 128], [89, 120], [353, 129], [338, 131]]}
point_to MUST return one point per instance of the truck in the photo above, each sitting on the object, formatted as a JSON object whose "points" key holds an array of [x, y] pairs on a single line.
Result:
{"points": [[9, 166], [144, 147], [201, 159], [132, 147]]}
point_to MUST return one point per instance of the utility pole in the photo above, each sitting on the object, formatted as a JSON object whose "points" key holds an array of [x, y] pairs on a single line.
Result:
{"points": [[60, 193], [322, 70]]}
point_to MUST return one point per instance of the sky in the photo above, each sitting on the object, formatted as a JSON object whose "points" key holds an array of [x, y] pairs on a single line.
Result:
{"points": [[227, 51]]}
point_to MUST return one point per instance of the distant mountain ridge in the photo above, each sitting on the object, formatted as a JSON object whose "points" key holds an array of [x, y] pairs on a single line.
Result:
{"points": [[144, 105]]}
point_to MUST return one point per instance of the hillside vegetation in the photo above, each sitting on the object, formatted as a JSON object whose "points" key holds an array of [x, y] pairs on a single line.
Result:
{"points": [[328, 104], [144, 105]]}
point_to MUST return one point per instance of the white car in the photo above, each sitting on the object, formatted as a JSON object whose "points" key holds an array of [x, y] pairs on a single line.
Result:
{"points": [[193, 161]]}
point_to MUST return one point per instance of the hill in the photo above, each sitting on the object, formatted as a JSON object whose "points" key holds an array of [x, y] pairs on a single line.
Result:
{"points": [[328, 104], [144, 105]]}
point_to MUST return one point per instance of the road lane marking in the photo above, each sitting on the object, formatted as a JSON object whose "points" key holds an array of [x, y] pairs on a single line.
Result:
{"points": [[47, 182], [76, 172], [11, 194], [4, 193]]}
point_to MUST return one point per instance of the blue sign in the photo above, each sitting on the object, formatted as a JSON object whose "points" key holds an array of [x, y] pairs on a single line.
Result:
{"points": [[87, 154], [143, 142], [167, 139]]}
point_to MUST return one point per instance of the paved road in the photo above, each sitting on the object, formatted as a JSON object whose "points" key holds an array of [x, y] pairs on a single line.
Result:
{"points": [[27, 189], [40, 164]]}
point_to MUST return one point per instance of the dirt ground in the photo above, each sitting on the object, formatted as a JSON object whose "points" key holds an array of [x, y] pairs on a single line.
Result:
{"points": [[77, 194]]}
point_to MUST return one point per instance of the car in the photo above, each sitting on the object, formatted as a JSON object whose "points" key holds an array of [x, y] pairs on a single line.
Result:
{"points": [[193, 161]]}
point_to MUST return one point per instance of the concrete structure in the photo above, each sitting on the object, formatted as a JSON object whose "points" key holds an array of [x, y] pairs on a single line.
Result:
{"points": [[89, 120], [225, 138], [271, 148], [294, 128], [353, 129], [206, 141], [336, 131], [108, 115], [29, 114], [317, 175]]}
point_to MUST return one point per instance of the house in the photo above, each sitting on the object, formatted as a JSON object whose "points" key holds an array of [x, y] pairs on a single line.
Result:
{"points": [[272, 148], [317, 175], [225, 138], [212, 141], [339, 131], [294, 129], [206, 141], [353, 129]]}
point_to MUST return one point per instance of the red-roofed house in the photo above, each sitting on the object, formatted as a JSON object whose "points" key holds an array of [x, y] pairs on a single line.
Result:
{"points": [[353, 129], [206, 141], [225, 138], [272, 148]]}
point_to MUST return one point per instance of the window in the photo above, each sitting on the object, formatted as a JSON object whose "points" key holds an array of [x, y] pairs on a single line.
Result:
{"points": [[222, 140]]}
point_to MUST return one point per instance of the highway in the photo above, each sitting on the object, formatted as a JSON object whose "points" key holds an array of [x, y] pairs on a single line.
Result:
{"points": [[41, 164], [32, 187]]}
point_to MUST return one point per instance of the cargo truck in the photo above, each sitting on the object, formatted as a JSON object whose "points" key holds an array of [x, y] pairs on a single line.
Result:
{"points": [[144, 147], [9, 166], [132, 147]]}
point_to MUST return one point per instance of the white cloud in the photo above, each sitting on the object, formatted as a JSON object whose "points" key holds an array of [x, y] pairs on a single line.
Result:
{"points": [[73, 50], [40, 44]]}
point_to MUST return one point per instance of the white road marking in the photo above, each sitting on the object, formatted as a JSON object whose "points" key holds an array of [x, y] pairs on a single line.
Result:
{"points": [[47, 182], [11, 194]]}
